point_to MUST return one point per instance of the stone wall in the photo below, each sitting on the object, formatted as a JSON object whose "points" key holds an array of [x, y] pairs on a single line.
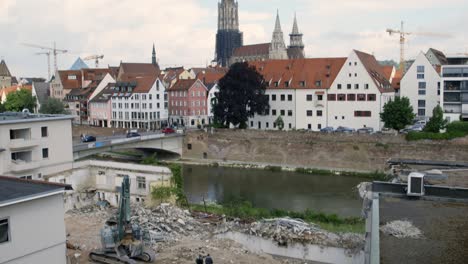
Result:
{"points": [[316, 150]]}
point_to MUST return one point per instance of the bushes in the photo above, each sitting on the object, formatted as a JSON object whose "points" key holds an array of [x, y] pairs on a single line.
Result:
{"points": [[458, 126], [454, 130], [377, 175], [273, 168]]}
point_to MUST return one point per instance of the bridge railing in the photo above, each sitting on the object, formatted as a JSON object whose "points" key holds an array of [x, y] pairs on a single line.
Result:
{"points": [[106, 143]]}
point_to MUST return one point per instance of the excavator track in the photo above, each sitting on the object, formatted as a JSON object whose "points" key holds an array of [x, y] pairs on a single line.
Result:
{"points": [[101, 257]]}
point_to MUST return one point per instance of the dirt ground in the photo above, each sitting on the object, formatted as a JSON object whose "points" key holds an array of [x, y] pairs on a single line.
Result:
{"points": [[83, 231]]}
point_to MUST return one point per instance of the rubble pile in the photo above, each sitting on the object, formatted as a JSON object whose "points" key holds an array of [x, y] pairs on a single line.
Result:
{"points": [[401, 229]]}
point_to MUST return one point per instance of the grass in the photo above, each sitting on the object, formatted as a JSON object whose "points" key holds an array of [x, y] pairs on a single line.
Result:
{"points": [[244, 210], [377, 175]]}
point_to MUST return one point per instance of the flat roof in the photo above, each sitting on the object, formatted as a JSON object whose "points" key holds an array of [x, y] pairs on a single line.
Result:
{"points": [[18, 117], [444, 226], [14, 190]]}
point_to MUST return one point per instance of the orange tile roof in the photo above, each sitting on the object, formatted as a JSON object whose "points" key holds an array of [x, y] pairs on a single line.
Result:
{"points": [[252, 50], [210, 77], [70, 83], [375, 71], [183, 85], [143, 83], [387, 71], [138, 69], [298, 71]]}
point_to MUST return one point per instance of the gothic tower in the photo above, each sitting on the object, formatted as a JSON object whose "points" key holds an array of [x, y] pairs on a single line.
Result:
{"points": [[277, 46], [154, 61], [228, 37], [296, 46]]}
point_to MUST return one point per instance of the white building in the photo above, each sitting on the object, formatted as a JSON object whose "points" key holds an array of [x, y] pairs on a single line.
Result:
{"points": [[454, 97], [33, 146], [421, 84], [358, 94], [213, 89], [32, 226]]}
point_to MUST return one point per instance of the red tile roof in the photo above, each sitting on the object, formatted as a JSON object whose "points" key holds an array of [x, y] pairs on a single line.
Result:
{"points": [[183, 85], [387, 71], [143, 83], [252, 50], [68, 83], [139, 69], [300, 73], [12, 89], [375, 71], [210, 77]]}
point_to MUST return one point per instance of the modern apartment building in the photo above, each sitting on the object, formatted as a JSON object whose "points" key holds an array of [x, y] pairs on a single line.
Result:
{"points": [[454, 97], [33, 146]]}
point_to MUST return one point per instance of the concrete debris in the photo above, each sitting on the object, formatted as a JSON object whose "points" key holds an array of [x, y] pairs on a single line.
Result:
{"points": [[401, 229]]}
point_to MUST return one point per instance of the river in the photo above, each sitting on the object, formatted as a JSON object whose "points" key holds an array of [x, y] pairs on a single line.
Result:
{"points": [[282, 190]]}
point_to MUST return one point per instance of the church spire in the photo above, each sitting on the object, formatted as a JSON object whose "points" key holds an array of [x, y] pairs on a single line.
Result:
{"points": [[278, 23], [296, 45], [277, 46], [153, 61], [295, 29]]}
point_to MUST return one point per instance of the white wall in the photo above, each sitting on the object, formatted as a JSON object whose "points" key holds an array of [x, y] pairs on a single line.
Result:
{"points": [[410, 86], [315, 121], [37, 229], [277, 105]]}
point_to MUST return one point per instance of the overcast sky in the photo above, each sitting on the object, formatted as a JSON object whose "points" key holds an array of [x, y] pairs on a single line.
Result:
{"points": [[184, 31]]}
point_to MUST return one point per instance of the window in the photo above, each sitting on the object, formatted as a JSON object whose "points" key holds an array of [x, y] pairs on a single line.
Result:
{"points": [[309, 112], [361, 97], [421, 112], [332, 97], [302, 83], [273, 112], [356, 86], [319, 113], [422, 92], [348, 86], [290, 113], [273, 97], [371, 97], [251, 123], [420, 76], [141, 182], [420, 69], [276, 84], [362, 113], [4, 231], [421, 103], [267, 125], [320, 97], [283, 97], [289, 97], [286, 84], [351, 97], [290, 126], [339, 86], [44, 132], [422, 85], [342, 97], [318, 83], [309, 126], [282, 112], [189, 146], [45, 153], [366, 86], [309, 97]]}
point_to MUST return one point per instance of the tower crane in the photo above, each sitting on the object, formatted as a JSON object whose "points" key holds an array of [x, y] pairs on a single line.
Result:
{"points": [[52, 50], [403, 36], [96, 58], [47, 53]]}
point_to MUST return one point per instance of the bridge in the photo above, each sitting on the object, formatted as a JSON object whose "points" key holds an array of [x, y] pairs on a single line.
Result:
{"points": [[170, 143]]}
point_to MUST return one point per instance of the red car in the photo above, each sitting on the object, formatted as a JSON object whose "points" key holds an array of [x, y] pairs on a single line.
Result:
{"points": [[168, 130]]}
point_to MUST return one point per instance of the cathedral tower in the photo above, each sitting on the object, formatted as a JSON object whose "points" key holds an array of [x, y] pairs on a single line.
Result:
{"points": [[228, 37], [277, 47], [153, 59], [296, 46]]}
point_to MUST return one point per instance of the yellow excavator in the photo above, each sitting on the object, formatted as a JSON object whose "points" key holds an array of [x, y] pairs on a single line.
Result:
{"points": [[122, 241]]}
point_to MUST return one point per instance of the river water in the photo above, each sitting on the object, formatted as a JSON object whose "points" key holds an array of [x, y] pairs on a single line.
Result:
{"points": [[282, 190]]}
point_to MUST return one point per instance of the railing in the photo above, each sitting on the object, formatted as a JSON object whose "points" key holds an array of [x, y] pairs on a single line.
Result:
{"points": [[21, 165], [23, 143]]}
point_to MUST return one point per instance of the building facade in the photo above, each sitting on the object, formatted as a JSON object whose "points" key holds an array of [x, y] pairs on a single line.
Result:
{"points": [[5, 75], [33, 146], [454, 95], [228, 37], [188, 105]]}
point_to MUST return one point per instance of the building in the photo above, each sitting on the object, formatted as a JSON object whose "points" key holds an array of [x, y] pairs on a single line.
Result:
{"points": [[66, 81], [32, 146], [454, 95], [5, 75], [421, 84], [79, 64], [358, 94], [296, 90], [169, 76], [228, 37], [213, 89], [4, 92], [188, 106], [41, 91], [276, 49], [100, 108], [32, 226]]}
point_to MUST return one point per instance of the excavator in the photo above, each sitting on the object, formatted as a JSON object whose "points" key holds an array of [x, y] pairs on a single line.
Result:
{"points": [[122, 241]]}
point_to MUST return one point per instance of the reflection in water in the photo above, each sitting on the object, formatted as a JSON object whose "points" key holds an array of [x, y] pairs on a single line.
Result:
{"points": [[282, 190]]}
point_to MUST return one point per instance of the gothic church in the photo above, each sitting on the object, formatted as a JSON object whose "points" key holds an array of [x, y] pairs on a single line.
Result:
{"points": [[229, 40]]}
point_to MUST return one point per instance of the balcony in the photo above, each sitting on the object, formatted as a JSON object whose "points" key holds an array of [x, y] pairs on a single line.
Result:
{"points": [[22, 143], [21, 165]]}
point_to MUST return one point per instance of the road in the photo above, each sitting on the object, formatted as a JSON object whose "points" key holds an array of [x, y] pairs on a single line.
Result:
{"points": [[77, 141]]}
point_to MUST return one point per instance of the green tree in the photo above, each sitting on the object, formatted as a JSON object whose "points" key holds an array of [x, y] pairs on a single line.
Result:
{"points": [[53, 106], [2, 108], [437, 121], [279, 123], [397, 113], [241, 95], [19, 100]]}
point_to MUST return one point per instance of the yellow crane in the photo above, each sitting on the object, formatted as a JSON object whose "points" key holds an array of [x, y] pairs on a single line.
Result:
{"points": [[96, 59], [403, 36]]}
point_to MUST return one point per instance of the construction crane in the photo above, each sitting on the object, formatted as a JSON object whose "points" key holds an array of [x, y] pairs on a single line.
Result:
{"points": [[52, 50], [47, 53], [403, 35], [96, 58]]}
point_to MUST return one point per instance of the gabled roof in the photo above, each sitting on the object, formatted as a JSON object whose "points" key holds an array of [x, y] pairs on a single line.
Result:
{"points": [[4, 71], [387, 71], [78, 65], [440, 56], [209, 69], [105, 95], [210, 77], [143, 83], [14, 190], [252, 50], [138, 69], [170, 74], [375, 71], [184, 85], [95, 74], [70, 83], [42, 91], [316, 73]]}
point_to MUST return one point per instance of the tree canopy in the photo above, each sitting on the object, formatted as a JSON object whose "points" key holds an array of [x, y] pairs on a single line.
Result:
{"points": [[2, 108], [397, 113], [241, 95], [53, 106], [19, 100], [437, 121], [279, 123]]}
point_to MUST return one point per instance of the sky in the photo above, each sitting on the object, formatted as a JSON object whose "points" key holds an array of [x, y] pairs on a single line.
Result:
{"points": [[184, 31]]}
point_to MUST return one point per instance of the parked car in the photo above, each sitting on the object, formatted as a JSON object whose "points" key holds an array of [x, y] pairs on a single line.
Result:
{"points": [[88, 138], [133, 135], [365, 130], [168, 130], [327, 130], [341, 129], [413, 128]]}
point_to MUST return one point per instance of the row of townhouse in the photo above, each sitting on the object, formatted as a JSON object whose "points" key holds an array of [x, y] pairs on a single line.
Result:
{"points": [[320, 92]]}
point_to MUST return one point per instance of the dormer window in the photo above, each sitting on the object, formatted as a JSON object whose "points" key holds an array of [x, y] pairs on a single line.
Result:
{"points": [[318, 83], [302, 83], [71, 77], [276, 84], [286, 84]]}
